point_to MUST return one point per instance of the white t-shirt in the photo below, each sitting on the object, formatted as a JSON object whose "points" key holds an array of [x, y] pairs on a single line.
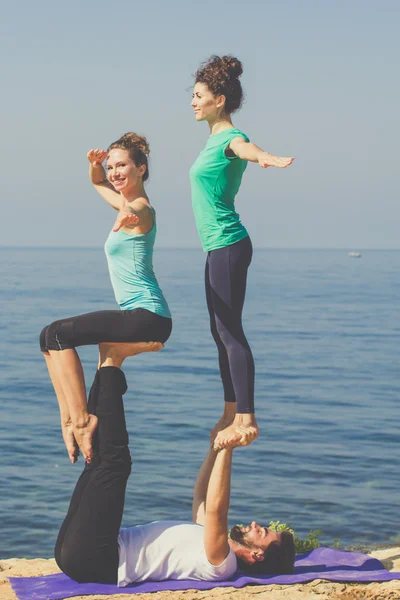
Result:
{"points": [[168, 550]]}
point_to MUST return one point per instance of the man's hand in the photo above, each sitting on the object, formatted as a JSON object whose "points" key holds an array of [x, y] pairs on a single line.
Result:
{"points": [[126, 218], [96, 156], [266, 160], [226, 420]]}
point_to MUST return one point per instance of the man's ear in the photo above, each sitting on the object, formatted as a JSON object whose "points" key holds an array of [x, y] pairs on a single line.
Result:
{"points": [[258, 555], [249, 555]]}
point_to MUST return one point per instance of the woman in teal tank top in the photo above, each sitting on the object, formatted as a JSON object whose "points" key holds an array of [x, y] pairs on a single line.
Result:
{"points": [[215, 180], [143, 323]]}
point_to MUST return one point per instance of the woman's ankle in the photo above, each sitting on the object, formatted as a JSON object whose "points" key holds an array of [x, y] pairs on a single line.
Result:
{"points": [[245, 420], [229, 411]]}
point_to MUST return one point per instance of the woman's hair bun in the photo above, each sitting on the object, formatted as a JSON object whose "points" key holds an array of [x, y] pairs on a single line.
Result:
{"points": [[232, 66], [134, 140], [221, 75]]}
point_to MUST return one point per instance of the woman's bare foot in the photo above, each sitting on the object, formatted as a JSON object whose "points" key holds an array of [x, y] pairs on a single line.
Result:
{"points": [[83, 433], [70, 442], [226, 419], [242, 432]]}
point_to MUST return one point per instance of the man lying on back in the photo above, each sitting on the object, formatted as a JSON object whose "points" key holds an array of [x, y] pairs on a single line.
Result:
{"points": [[91, 547]]}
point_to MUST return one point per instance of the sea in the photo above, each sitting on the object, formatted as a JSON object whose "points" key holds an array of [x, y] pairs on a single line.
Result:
{"points": [[325, 333]]}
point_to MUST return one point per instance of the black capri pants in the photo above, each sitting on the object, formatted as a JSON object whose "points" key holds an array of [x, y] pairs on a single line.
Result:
{"points": [[118, 326], [87, 544]]}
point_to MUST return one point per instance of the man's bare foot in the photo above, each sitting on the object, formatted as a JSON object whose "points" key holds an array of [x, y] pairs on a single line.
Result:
{"points": [[241, 432], [83, 433], [114, 354], [70, 442], [141, 347]]}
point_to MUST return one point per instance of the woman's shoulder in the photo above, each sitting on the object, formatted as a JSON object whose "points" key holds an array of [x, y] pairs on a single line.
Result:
{"points": [[236, 132], [227, 135], [141, 205], [145, 212]]}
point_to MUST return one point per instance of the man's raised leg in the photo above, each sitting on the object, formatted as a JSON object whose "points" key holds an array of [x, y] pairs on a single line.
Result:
{"points": [[87, 546]]}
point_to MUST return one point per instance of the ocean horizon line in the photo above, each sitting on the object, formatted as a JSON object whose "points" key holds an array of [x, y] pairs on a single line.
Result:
{"points": [[291, 248]]}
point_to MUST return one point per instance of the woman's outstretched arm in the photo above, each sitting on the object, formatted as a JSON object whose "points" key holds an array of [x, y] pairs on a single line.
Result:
{"points": [[249, 151], [99, 179]]}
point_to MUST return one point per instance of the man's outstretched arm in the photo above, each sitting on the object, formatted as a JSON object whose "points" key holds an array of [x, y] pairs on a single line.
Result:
{"points": [[200, 488], [217, 505]]}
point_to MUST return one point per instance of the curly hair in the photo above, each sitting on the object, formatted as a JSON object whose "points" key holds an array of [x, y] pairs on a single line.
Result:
{"points": [[221, 75], [138, 149], [279, 557]]}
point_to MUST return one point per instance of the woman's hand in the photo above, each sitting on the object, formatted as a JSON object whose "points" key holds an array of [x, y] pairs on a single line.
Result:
{"points": [[96, 156], [268, 160], [126, 218]]}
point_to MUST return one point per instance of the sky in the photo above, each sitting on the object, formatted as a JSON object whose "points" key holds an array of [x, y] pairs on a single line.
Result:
{"points": [[321, 80]]}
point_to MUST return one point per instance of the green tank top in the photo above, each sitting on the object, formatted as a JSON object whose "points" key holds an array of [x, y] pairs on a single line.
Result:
{"points": [[130, 263], [215, 181]]}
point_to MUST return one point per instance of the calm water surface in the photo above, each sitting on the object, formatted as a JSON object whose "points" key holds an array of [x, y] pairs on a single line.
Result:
{"points": [[325, 332]]}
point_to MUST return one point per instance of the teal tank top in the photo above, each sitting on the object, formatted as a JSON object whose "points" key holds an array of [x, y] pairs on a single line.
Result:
{"points": [[130, 263], [215, 180]]}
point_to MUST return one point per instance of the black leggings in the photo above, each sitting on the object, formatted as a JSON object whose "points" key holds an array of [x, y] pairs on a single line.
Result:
{"points": [[225, 278], [87, 544], [137, 325]]}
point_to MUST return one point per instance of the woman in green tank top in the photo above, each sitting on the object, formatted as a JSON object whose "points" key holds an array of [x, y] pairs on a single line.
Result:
{"points": [[215, 179]]}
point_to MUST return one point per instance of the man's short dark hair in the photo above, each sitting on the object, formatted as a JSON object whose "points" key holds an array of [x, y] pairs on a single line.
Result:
{"points": [[278, 558]]}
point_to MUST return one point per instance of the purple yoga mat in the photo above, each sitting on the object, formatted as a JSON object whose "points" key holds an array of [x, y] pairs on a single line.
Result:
{"points": [[322, 563]]}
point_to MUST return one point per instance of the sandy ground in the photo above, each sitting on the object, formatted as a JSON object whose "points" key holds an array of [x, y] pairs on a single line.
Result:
{"points": [[316, 589]]}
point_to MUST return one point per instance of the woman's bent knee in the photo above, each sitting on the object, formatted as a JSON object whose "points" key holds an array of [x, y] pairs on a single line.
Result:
{"points": [[57, 336], [42, 340]]}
